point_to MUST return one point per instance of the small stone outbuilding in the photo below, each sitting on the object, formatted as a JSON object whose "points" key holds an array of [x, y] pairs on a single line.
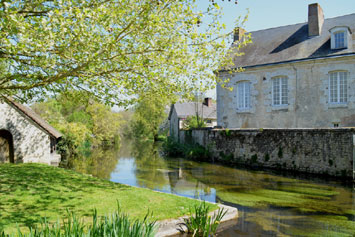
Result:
{"points": [[181, 111], [25, 136]]}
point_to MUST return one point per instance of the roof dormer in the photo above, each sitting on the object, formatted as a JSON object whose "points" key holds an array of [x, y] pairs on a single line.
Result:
{"points": [[340, 37]]}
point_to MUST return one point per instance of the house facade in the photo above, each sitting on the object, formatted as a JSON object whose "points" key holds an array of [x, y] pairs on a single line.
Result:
{"points": [[181, 111], [24, 136], [296, 76]]}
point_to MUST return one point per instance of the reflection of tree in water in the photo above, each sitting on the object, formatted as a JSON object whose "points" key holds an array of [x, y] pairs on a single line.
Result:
{"points": [[100, 163], [151, 169]]}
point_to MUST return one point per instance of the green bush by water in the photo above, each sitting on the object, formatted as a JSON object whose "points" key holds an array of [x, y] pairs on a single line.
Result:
{"points": [[200, 224], [116, 225], [191, 151]]}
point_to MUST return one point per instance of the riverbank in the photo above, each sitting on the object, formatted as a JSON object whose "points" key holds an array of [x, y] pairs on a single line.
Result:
{"points": [[30, 192]]}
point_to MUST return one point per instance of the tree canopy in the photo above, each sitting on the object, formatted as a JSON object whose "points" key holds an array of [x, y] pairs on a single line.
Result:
{"points": [[113, 49]]}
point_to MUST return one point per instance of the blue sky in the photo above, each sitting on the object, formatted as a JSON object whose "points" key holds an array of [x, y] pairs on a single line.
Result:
{"points": [[272, 13]]}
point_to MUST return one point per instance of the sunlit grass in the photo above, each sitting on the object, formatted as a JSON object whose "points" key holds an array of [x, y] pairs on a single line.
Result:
{"points": [[30, 192]]}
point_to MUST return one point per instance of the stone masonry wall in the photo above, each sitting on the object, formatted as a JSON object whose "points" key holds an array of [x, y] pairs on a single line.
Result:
{"points": [[319, 151], [31, 143], [308, 96]]}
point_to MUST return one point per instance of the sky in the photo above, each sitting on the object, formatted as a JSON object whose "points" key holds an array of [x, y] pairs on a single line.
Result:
{"points": [[264, 14]]}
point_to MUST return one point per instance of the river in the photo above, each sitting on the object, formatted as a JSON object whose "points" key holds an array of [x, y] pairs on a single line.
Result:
{"points": [[269, 203]]}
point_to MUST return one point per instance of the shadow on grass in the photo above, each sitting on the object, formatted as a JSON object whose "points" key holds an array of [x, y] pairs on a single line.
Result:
{"points": [[29, 192]]}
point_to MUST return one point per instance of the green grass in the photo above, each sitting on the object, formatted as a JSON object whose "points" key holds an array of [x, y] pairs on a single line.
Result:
{"points": [[29, 192]]}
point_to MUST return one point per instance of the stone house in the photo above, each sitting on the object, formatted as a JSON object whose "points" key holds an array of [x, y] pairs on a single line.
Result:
{"points": [[296, 76], [24, 136], [181, 111]]}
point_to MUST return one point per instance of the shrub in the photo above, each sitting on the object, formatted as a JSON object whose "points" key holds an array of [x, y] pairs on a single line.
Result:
{"points": [[191, 151], [193, 122]]}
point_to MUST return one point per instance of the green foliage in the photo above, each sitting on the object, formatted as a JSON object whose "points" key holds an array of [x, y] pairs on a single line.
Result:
{"points": [[148, 115], [254, 158], [280, 152], [114, 225], [82, 120], [189, 150], [193, 122], [227, 157], [200, 224], [228, 132], [330, 161], [111, 49], [266, 157], [105, 122]]}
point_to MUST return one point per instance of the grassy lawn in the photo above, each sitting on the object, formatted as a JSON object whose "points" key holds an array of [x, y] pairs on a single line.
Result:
{"points": [[29, 192]]}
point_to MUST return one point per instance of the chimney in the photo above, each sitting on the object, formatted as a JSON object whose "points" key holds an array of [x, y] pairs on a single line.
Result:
{"points": [[238, 34], [315, 19], [207, 102]]}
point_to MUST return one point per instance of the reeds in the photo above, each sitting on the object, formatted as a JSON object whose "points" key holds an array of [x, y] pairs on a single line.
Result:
{"points": [[117, 224], [200, 224]]}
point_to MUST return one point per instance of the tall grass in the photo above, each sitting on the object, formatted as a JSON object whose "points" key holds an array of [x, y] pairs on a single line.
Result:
{"points": [[200, 224], [117, 224]]}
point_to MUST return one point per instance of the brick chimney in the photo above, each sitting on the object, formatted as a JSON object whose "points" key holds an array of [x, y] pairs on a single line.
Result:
{"points": [[207, 102], [238, 34], [315, 19]]}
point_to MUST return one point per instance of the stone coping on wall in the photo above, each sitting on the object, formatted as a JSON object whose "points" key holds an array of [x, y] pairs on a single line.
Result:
{"points": [[171, 227], [282, 129]]}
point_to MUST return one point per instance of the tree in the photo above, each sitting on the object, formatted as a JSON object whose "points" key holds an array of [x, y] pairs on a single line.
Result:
{"points": [[192, 122], [113, 49], [149, 113]]}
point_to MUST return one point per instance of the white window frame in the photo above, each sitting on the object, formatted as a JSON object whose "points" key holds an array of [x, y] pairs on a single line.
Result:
{"points": [[245, 88], [340, 88], [340, 33], [282, 89]]}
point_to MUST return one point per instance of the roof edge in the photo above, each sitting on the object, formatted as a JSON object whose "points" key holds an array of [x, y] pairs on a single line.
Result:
{"points": [[289, 61], [11, 102]]}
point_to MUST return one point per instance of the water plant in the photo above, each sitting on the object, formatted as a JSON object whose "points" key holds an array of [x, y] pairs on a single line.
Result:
{"points": [[200, 223]]}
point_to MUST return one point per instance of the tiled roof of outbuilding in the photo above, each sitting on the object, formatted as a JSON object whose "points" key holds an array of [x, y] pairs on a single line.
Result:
{"points": [[292, 43], [187, 109]]}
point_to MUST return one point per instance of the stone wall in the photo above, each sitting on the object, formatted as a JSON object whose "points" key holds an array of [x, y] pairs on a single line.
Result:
{"points": [[30, 142], [319, 151]]}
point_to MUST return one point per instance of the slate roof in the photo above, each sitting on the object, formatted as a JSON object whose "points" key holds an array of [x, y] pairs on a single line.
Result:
{"points": [[187, 109], [292, 43], [34, 117]]}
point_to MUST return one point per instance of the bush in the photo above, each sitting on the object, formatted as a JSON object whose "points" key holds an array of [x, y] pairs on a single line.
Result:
{"points": [[193, 122], [191, 151]]}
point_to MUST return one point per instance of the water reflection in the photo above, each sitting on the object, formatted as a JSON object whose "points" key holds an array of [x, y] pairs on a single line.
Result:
{"points": [[268, 204]]}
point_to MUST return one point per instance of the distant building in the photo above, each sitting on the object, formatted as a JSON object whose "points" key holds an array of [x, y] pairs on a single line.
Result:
{"points": [[296, 76], [24, 136], [181, 111]]}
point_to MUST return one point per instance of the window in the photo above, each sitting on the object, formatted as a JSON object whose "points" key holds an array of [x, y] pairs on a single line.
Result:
{"points": [[279, 91], [339, 39], [243, 95], [338, 92]]}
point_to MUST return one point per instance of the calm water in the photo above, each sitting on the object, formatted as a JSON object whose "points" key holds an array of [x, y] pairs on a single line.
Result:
{"points": [[268, 204]]}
